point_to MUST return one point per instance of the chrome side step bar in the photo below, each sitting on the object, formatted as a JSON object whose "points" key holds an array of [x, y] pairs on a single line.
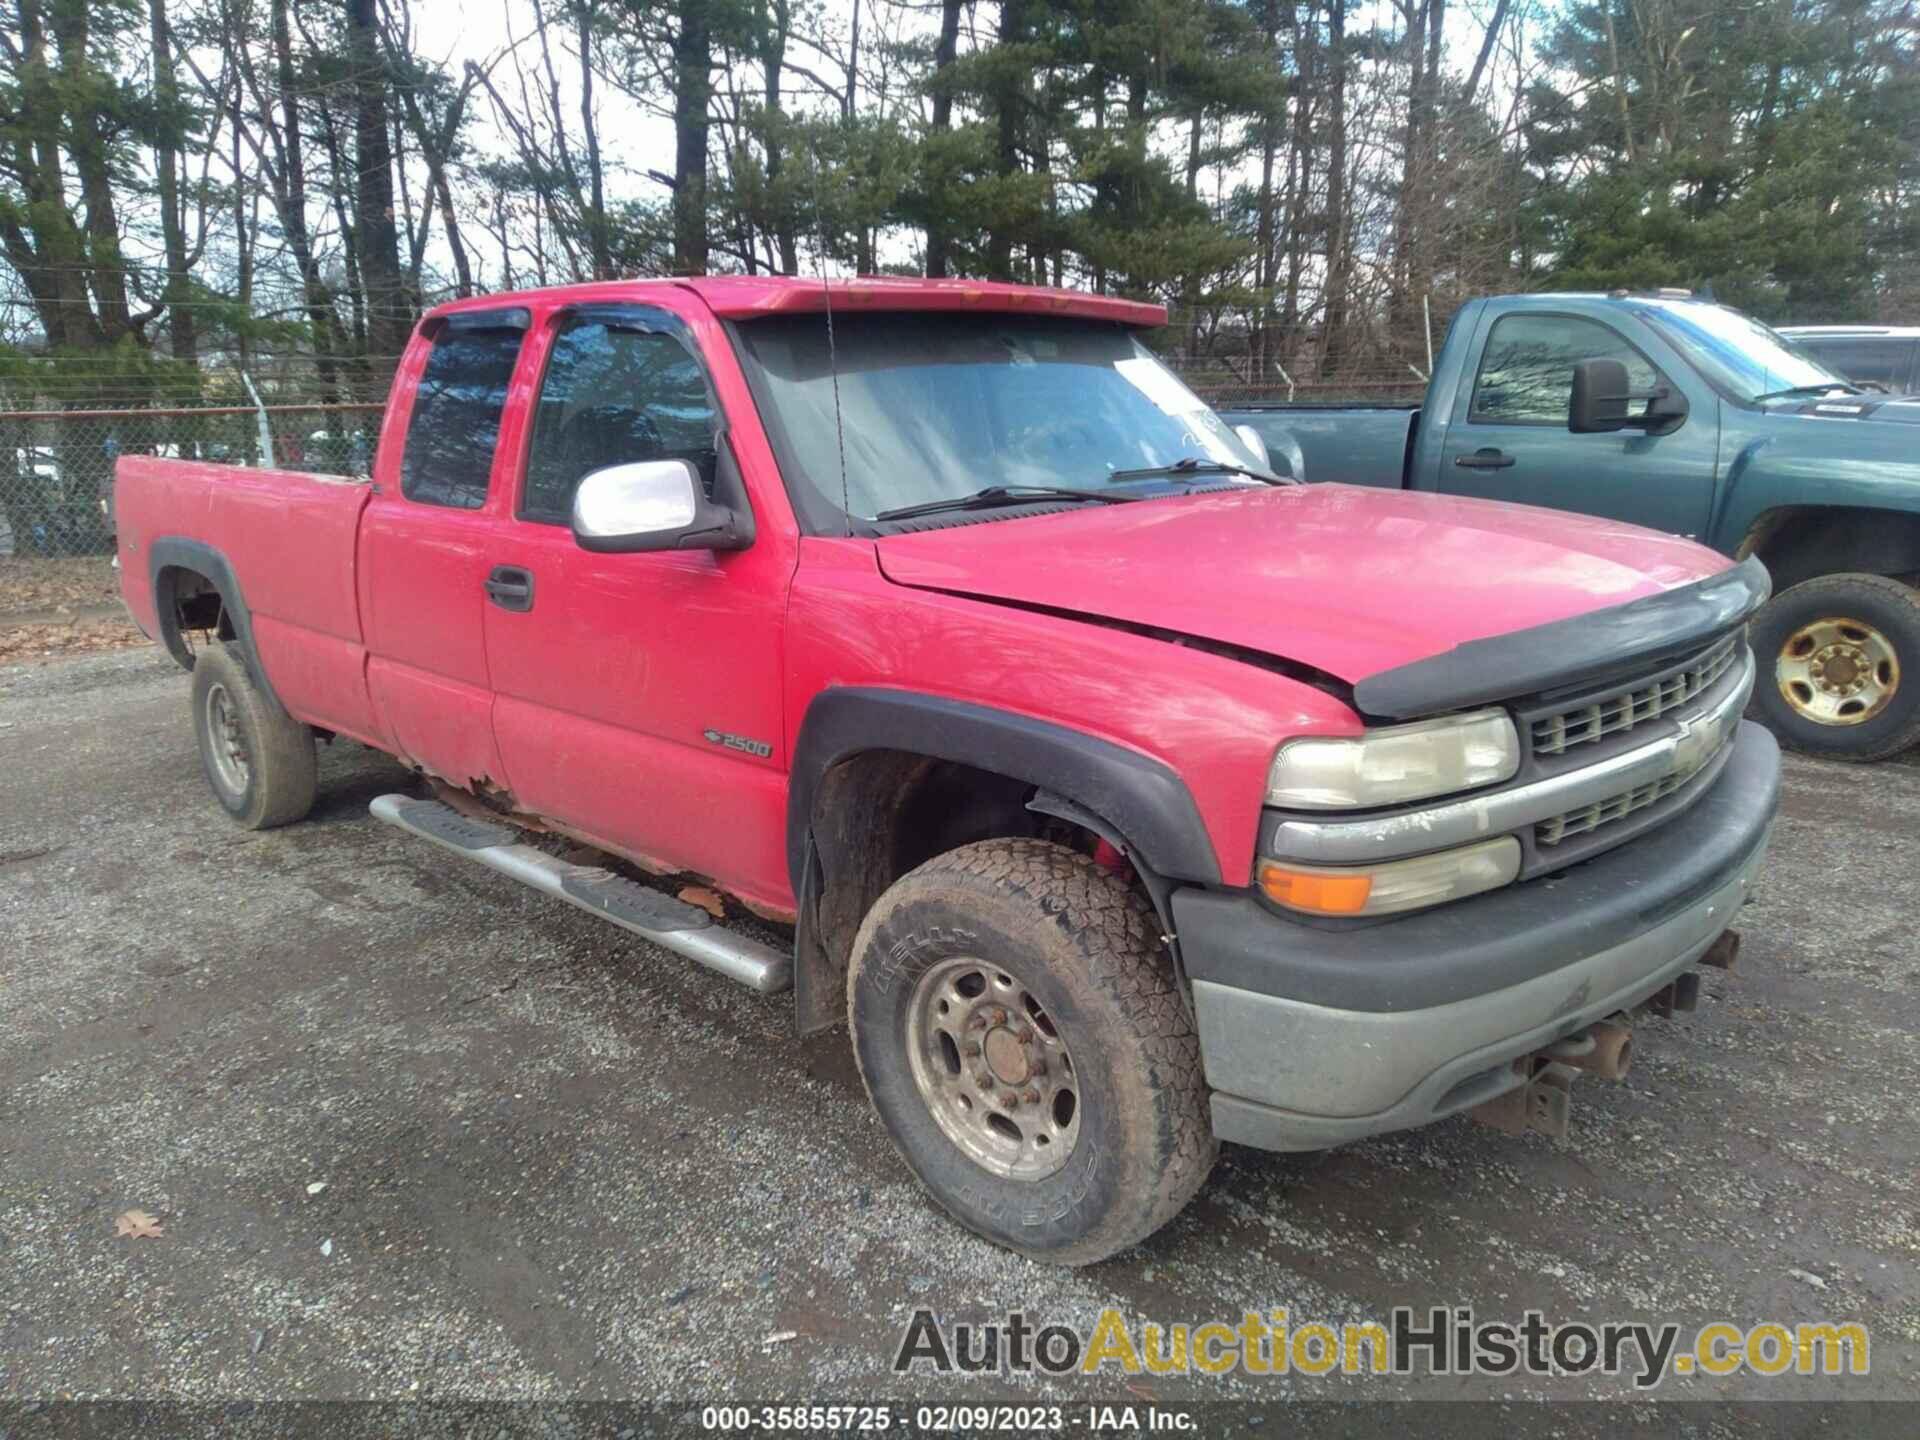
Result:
{"points": [[669, 923]]}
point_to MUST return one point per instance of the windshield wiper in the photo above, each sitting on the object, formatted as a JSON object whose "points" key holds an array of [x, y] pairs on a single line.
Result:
{"points": [[1821, 389], [1194, 465], [1001, 495]]}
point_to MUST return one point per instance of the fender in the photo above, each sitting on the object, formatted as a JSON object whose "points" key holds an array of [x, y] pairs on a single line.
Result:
{"points": [[174, 552], [1130, 799], [1793, 461], [1143, 800]]}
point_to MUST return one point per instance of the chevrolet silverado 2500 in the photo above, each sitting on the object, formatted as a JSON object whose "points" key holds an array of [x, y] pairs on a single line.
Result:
{"points": [[1678, 413], [1123, 799]]}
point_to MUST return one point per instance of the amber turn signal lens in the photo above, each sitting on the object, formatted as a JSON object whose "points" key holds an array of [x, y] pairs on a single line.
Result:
{"points": [[1316, 892], [1395, 886]]}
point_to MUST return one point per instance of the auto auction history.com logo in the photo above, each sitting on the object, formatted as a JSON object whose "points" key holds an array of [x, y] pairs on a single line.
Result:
{"points": [[1438, 1341]]}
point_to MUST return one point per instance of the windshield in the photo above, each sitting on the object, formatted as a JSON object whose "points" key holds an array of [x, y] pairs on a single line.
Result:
{"points": [[1739, 354], [939, 406]]}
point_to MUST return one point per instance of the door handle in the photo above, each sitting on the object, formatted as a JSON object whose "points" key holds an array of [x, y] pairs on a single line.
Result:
{"points": [[1484, 459], [510, 587]]}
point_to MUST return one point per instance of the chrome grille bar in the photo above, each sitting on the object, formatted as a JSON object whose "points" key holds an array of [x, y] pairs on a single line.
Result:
{"points": [[1633, 704]]}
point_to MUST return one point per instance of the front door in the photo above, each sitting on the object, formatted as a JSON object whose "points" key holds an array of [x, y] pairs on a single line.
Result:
{"points": [[637, 697], [1509, 438]]}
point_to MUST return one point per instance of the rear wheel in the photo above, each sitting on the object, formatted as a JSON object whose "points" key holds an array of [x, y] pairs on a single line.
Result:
{"points": [[258, 759], [1018, 1028], [1839, 662]]}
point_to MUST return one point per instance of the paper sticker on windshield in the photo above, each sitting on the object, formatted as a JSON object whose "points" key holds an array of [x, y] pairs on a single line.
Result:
{"points": [[1152, 380]]}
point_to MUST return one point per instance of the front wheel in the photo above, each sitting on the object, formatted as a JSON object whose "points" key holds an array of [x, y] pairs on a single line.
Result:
{"points": [[1839, 662], [1017, 1026]]}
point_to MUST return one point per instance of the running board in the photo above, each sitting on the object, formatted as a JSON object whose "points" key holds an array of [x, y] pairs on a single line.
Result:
{"points": [[669, 923]]}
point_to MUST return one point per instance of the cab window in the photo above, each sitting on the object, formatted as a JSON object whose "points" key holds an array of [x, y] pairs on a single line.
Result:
{"points": [[1526, 374], [457, 409], [616, 391]]}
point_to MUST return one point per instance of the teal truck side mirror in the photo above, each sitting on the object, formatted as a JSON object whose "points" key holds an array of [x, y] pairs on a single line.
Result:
{"points": [[1602, 395]]}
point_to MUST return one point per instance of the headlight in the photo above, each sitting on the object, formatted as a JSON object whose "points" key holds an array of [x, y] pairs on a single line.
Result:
{"points": [[1395, 763], [1390, 888]]}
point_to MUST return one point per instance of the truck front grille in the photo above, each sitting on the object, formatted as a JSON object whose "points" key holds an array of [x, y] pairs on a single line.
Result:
{"points": [[1639, 700], [1587, 818]]}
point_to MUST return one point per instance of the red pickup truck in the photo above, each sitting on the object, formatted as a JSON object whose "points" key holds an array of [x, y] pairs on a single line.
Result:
{"points": [[1124, 798]]}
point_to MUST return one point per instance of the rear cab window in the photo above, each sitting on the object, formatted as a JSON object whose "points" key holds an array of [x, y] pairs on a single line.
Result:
{"points": [[457, 407]]}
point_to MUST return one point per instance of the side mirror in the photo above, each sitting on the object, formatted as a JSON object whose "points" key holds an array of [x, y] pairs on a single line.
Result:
{"points": [[652, 505], [1251, 438], [1602, 394]]}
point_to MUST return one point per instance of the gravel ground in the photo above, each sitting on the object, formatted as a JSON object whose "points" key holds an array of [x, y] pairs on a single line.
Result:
{"points": [[414, 1131]]}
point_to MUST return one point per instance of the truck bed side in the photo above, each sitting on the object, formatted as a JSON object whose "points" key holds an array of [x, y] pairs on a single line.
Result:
{"points": [[279, 548]]}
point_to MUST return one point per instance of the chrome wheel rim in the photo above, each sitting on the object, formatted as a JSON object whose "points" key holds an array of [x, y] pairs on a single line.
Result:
{"points": [[992, 1069], [226, 746], [1837, 671]]}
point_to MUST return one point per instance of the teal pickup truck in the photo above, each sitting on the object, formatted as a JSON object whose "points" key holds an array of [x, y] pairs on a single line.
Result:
{"points": [[1686, 416]]}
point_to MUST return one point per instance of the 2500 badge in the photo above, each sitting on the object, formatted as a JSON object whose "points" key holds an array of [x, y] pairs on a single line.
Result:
{"points": [[738, 742]]}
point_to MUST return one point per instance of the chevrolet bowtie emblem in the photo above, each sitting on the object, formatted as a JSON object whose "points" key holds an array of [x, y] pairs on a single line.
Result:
{"points": [[1698, 740]]}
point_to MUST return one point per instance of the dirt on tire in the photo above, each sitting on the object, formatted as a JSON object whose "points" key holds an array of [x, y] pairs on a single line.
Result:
{"points": [[1090, 942]]}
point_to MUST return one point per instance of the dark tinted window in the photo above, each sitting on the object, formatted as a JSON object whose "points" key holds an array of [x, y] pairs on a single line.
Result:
{"points": [[613, 394], [1884, 361], [1526, 376], [456, 417]]}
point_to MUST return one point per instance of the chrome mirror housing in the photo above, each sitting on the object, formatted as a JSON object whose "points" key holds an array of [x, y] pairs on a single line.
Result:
{"points": [[651, 505]]}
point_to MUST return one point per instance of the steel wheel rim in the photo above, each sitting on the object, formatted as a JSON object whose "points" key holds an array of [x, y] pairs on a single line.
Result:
{"points": [[226, 745], [992, 1069], [1837, 671]]}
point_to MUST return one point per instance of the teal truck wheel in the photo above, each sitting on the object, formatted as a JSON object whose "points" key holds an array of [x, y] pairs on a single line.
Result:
{"points": [[1845, 657]]}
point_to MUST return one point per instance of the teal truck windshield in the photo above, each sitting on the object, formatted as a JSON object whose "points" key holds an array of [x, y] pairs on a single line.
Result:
{"points": [[1739, 354], [934, 407]]}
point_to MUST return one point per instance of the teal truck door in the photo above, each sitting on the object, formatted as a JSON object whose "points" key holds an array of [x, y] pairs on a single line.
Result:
{"points": [[1509, 438]]}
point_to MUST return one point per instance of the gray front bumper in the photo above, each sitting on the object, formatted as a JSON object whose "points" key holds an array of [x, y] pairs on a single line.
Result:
{"points": [[1312, 1038]]}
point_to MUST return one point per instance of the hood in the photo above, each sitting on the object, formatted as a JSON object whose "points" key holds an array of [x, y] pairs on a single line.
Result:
{"points": [[1349, 580]]}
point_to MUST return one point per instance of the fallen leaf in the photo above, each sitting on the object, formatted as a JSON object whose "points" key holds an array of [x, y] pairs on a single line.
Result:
{"points": [[706, 899], [138, 1225]]}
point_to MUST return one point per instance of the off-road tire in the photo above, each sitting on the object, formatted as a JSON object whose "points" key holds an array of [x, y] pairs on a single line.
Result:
{"points": [[281, 770], [1892, 608], [1088, 947]]}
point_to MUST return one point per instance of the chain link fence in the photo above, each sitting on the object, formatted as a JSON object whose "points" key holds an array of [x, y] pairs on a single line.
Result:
{"points": [[56, 466]]}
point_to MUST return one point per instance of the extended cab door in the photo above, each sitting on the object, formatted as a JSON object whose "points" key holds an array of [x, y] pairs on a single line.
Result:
{"points": [[1508, 439], [424, 541], [637, 696]]}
